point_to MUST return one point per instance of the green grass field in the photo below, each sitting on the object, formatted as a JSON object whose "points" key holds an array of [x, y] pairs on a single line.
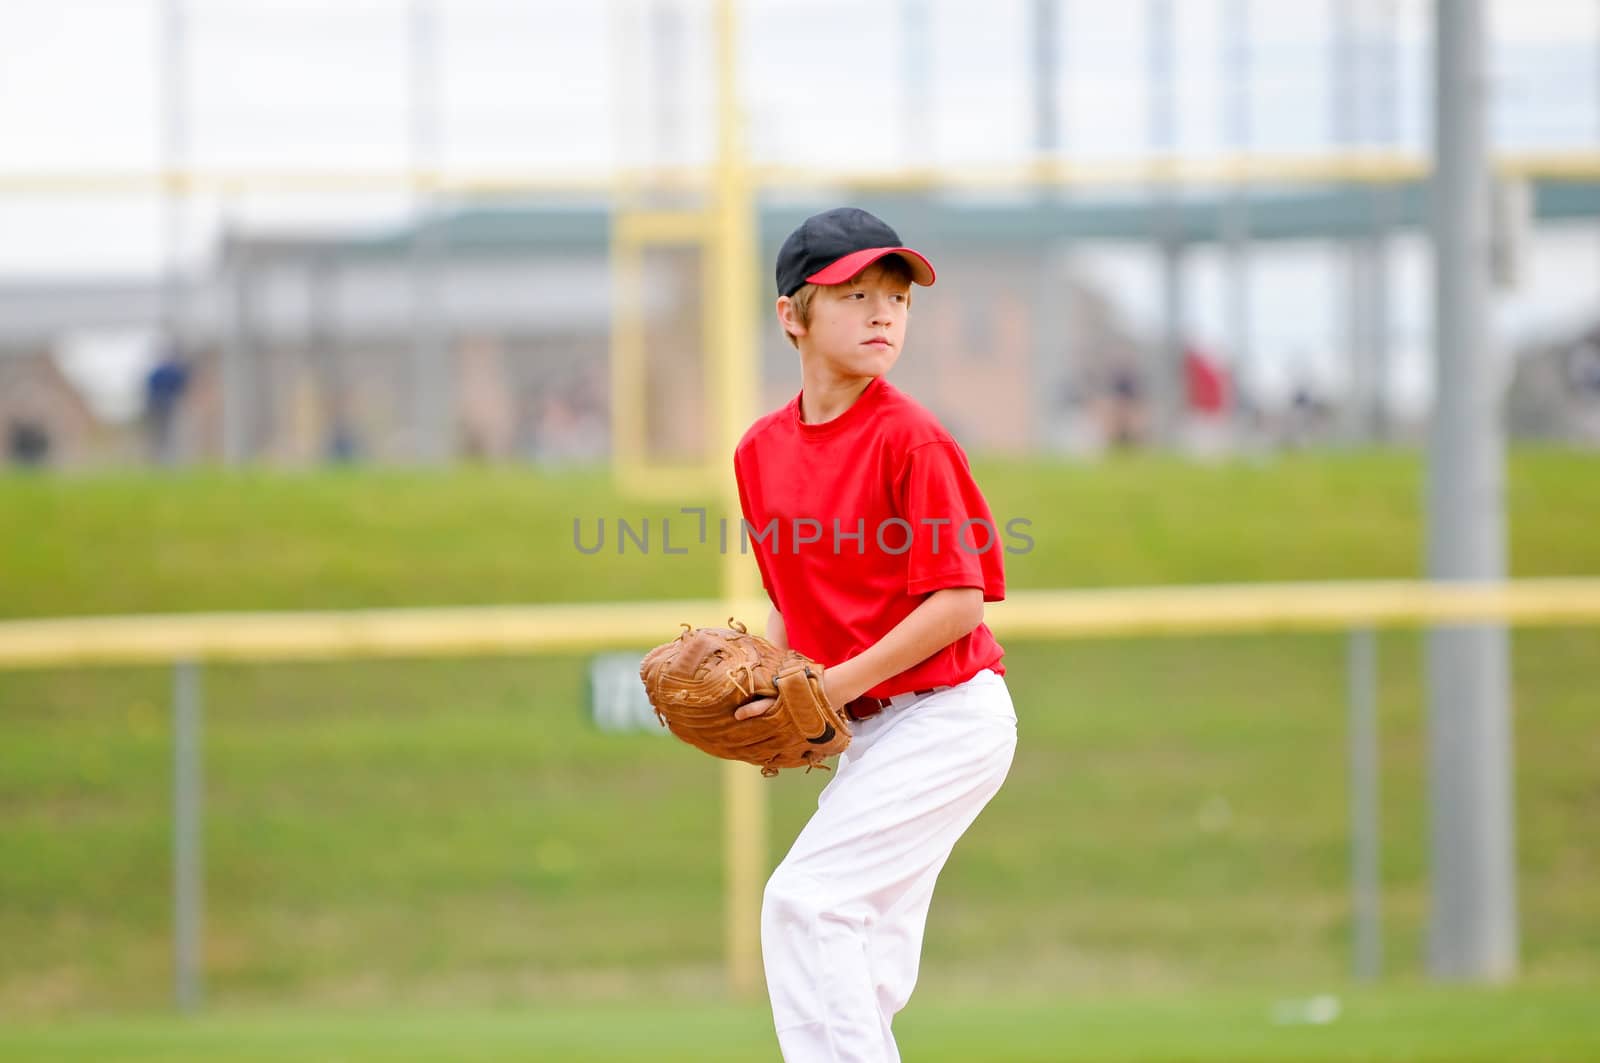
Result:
{"points": [[452, 838], [1399, 1025]]}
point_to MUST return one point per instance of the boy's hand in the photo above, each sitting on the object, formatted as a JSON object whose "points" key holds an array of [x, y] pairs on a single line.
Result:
{"points": [[715, 688], [761, 706], [751, 709]]}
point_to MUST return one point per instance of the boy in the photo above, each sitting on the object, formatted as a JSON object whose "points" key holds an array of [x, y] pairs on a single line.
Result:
{"points": [[877, 551]]}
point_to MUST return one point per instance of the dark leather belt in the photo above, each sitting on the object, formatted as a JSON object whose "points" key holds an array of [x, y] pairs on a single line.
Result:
{"points": [[864, 707]]}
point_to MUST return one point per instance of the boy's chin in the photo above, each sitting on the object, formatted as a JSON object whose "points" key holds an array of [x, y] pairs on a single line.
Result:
{"points": [[865, 364]]}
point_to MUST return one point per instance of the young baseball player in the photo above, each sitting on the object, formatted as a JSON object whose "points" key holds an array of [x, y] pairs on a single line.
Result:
{"points": [[878, 553]]}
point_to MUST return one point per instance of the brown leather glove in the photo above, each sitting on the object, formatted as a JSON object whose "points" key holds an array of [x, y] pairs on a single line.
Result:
{"points": [[700, 678]]}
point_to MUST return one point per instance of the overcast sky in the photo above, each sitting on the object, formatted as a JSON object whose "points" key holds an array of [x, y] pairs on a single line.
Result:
{"points": [[563, 88]]}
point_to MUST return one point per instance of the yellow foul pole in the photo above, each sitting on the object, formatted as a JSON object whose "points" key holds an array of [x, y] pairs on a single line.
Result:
{"points": [[730, 327]]}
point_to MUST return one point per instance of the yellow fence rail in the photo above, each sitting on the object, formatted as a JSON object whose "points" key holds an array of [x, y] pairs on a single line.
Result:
{"points": [[492, 630], [1358, 166], [187, 640]]}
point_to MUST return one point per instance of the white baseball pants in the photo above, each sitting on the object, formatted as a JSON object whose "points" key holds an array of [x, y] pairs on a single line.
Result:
{"points": [[843, 915]]}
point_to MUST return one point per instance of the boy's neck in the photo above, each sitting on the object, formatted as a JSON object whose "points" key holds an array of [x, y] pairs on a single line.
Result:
{"points": [[822, 400]]}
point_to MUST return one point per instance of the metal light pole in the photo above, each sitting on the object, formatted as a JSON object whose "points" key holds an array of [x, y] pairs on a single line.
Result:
{"points": [[916, 115], [1473, 927], [1348, 86], [431, 379], [1045, 28], [1048, 319], [1165, 371], [1383, 89], [174, 85], [188, 861], [1237, 85]]}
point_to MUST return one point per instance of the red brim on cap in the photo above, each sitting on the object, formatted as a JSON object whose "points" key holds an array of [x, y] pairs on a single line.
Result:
{"points": [[841, 270]]}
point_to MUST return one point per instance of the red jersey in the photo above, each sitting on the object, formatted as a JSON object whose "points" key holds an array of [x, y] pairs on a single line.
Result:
{"points": [[854, 522]]}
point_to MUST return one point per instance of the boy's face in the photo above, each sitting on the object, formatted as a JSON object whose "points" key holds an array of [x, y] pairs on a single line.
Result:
{"points": [[857, 328]]}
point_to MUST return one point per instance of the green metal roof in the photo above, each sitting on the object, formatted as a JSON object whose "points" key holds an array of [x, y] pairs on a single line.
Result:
{"points": [[1331, 212]]}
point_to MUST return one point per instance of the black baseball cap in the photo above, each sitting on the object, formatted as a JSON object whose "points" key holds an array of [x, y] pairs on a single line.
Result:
{"points": [[832, 247]]}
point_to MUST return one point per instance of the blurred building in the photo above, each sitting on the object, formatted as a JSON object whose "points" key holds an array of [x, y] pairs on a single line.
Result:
{"points": [[44, 418], [304, 348]]}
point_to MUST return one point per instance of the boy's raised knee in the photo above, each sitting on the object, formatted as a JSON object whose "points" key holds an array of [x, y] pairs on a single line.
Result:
{"points": [[788, 898], [797, 900]]}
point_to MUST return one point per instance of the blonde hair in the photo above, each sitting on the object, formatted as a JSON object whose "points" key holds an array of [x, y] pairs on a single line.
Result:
{"points": [[893, 265]]}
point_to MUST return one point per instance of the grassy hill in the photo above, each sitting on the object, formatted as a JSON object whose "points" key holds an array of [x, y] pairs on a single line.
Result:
{"points": [[336, 539], [456, 832]]}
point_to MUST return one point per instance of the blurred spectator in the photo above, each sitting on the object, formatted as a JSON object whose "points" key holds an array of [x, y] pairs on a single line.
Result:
{"points": [[1125, 410], [27, 443], [1584, 369], [1305, 420], [1554, 391], [486, 406], [1208, 396], [164, 388], [343, 448], [1206, 382], [565, 432]]}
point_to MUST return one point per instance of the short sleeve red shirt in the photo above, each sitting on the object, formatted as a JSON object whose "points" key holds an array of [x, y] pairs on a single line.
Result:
{"points": [[854, 522]]}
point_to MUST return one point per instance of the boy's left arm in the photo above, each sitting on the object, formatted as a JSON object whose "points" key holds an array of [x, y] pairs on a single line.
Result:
{"points": [[942, 618]]}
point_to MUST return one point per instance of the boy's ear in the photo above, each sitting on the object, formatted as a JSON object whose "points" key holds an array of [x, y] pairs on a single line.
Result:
{"points": [[788, 318]]}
